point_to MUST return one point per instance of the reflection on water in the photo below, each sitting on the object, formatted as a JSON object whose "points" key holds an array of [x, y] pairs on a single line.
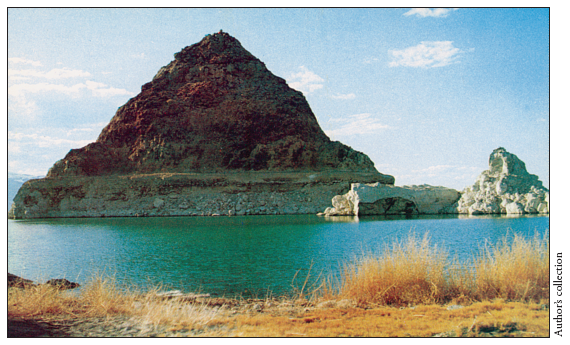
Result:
{"points": [[233, 255]]}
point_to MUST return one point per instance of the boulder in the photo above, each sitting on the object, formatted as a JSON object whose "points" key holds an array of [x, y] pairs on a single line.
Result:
{"points": [[15, 281], [505, 188], [514, 208], [62, 284]]}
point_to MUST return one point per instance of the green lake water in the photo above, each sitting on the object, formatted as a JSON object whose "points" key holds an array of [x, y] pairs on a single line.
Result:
{"points": [[231, 256]]}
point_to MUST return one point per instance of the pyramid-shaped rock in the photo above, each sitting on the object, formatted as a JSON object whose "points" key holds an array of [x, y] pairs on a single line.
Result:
{"points": [[214, 133], [214, 108]]}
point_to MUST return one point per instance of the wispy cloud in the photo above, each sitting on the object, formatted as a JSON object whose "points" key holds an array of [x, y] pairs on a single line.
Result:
{"points": [[451, 176], [24, 61], [426, 55], [369, 60], [89, 128], [451, 171], [344, 96], [97, 89], [35, 83], [356, 124], [426, 12], [34, 150], [305, 81], [21, 105], [56, 73], [27, 87], [21, 167], [20, 139]]}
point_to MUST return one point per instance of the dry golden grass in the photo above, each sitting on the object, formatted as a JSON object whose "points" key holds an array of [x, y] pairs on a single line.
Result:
{"points": [[514, 270], [408, 272], [414, 272], [101, 297]]}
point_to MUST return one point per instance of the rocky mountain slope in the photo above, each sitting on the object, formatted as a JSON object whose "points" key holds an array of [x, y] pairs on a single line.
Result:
{"points": [[214, 108], [214, 132]]}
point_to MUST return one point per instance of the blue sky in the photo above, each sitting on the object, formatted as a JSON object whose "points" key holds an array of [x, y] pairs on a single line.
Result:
{"points": [[427, 94]]}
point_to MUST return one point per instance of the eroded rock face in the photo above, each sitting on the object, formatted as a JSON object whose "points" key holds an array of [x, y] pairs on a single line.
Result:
{"points": [[156, 195], [380, 199], [506, 187], [215, 108]]}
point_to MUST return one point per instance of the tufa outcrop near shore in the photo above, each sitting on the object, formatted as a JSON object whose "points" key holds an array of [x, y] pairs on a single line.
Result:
{"points": [[505, 188], [214, 132]]}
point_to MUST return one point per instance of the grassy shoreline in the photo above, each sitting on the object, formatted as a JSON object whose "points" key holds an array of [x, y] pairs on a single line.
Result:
{"points": [[412, 289]]}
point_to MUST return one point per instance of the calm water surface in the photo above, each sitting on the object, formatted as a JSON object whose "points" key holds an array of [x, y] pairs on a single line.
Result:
{"points": [[232, 255]]}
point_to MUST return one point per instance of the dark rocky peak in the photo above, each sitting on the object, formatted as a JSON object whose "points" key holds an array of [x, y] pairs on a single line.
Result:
{"points": [[219, 48], [214, 108]]}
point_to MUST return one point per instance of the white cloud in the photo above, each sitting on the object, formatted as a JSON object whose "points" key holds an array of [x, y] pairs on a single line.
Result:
{"points": [[305, 81], [22, 89], [19, 167], [97, 89], [370, 60], [25, 61], [22, 99], [14, 148], [102, 90], [344, 97], [426, 12], [356, 124], [450, 171], [56, 73], [95, 127], [19, 139], [451, 176], [426, 55], [19, 104]]}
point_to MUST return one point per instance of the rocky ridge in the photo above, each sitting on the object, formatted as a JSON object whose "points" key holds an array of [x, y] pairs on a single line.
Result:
{"points": [[214, 133]]}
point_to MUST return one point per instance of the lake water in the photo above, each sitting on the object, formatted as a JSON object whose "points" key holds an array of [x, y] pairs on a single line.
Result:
{"points": [[229, 256]]}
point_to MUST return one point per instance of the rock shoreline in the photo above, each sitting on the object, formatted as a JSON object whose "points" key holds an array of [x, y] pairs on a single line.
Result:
{"points": [[182, 194], [60, 283]]}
